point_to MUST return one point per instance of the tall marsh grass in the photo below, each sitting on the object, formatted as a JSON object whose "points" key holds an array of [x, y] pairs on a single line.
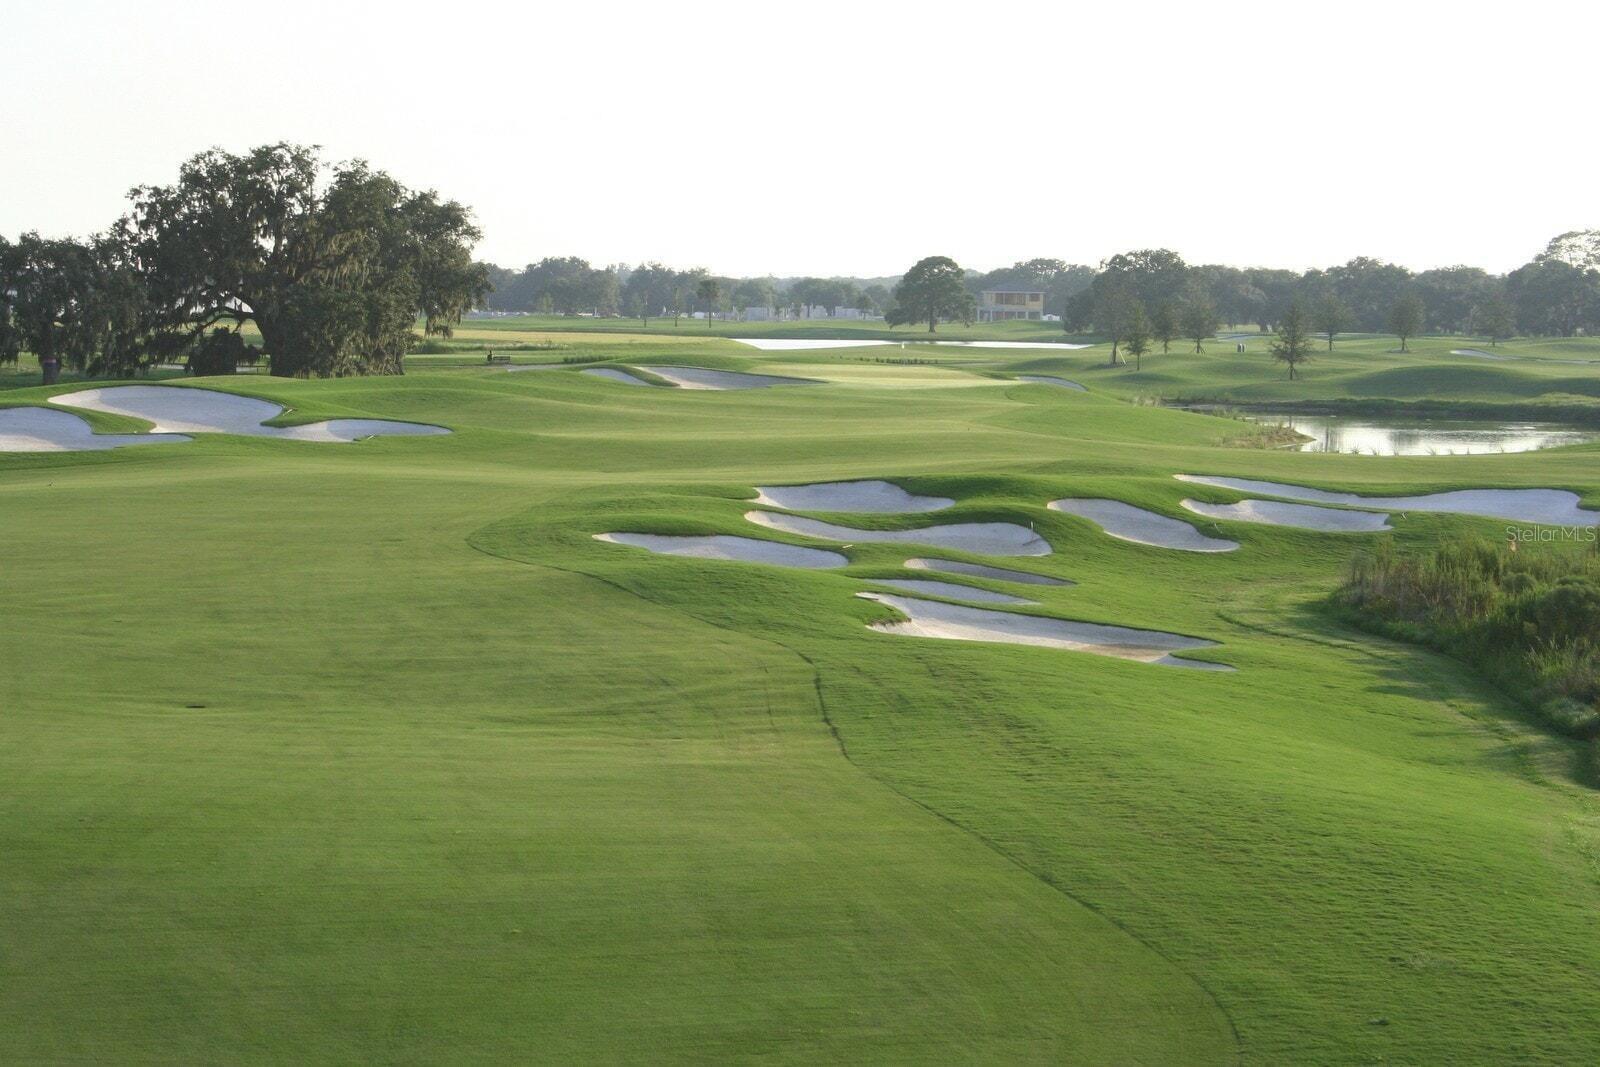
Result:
{"points": [[1528, 618]]}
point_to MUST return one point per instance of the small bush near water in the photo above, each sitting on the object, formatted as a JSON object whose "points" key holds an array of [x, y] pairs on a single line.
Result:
{"points": [[1529, 619]]}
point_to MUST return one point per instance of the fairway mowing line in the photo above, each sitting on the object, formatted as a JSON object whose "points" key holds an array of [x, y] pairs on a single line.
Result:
{"points": [[954, 823]]}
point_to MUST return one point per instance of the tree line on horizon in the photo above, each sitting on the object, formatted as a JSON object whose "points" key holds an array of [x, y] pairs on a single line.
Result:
{"points": [[335, 266], [1557, 293]]}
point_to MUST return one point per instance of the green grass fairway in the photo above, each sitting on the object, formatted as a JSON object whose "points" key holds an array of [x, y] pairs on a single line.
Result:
{"points": [[370, 753], [1532, 375]]}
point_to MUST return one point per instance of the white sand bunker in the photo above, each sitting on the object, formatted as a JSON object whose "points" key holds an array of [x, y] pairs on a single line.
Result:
{"points": [[1143, 527], [982, 538], [1302, 516], [701, 378], [43, 430], [928, 618], [179, 410], [980, 570], [871, 495], [1049, 379], [612, 375], [950, 590], [1478, 353], [724, 546], [1555, 507]]}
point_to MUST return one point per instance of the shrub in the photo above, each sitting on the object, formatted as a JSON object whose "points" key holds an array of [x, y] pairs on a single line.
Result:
{"points": [[1530, 620]]}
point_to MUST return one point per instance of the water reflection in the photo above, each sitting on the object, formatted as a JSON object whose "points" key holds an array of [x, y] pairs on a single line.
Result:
{"points": [[1369, 435]]}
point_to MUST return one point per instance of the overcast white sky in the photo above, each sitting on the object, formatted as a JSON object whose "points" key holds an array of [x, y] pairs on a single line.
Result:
{"points": [[848, 138]]}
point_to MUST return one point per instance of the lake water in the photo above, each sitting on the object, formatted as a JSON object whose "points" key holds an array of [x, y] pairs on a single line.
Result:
{"points": [[1383, 436]]}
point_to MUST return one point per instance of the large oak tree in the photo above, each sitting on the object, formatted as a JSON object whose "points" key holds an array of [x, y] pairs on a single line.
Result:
{"points": [[333, 264], [935, 288]]}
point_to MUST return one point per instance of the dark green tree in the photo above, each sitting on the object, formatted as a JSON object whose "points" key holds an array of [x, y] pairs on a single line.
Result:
{"points": [[1164, 325], [1154, 276], [333, 265], [1137, 334], [219, 352], [1406, 318], [708, 292], [1115, 307], [1553, 297], [10, 279], [755, 292], [1495, 319], [1330, 317], [1292, 346], [1199, 320], [935, 288]]}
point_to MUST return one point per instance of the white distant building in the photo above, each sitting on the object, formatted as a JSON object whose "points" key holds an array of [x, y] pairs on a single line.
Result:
{"points": [[996, 305]]}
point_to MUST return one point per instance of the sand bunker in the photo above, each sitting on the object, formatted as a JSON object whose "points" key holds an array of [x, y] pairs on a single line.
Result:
{"points": [[1555, 507], [43, 430], [180, 410], [612, 375], [878, 496], [1479, 353], [724, 546], [1144, 527], [979, 570], [1046, 379], [1301, 516], [928, 618], [982, 538], [700, 378], [950, 590]]}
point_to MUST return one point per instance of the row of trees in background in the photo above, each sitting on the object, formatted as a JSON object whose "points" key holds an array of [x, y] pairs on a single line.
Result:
{"points": [[572, 286], [1557, 293], [333, 265]]}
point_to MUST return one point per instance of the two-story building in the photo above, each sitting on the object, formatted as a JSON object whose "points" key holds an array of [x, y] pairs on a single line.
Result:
{"points": [[997, 304]]}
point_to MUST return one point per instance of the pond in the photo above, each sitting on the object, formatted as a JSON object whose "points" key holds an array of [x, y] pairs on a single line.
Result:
{"points": [[1382, 435]]}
